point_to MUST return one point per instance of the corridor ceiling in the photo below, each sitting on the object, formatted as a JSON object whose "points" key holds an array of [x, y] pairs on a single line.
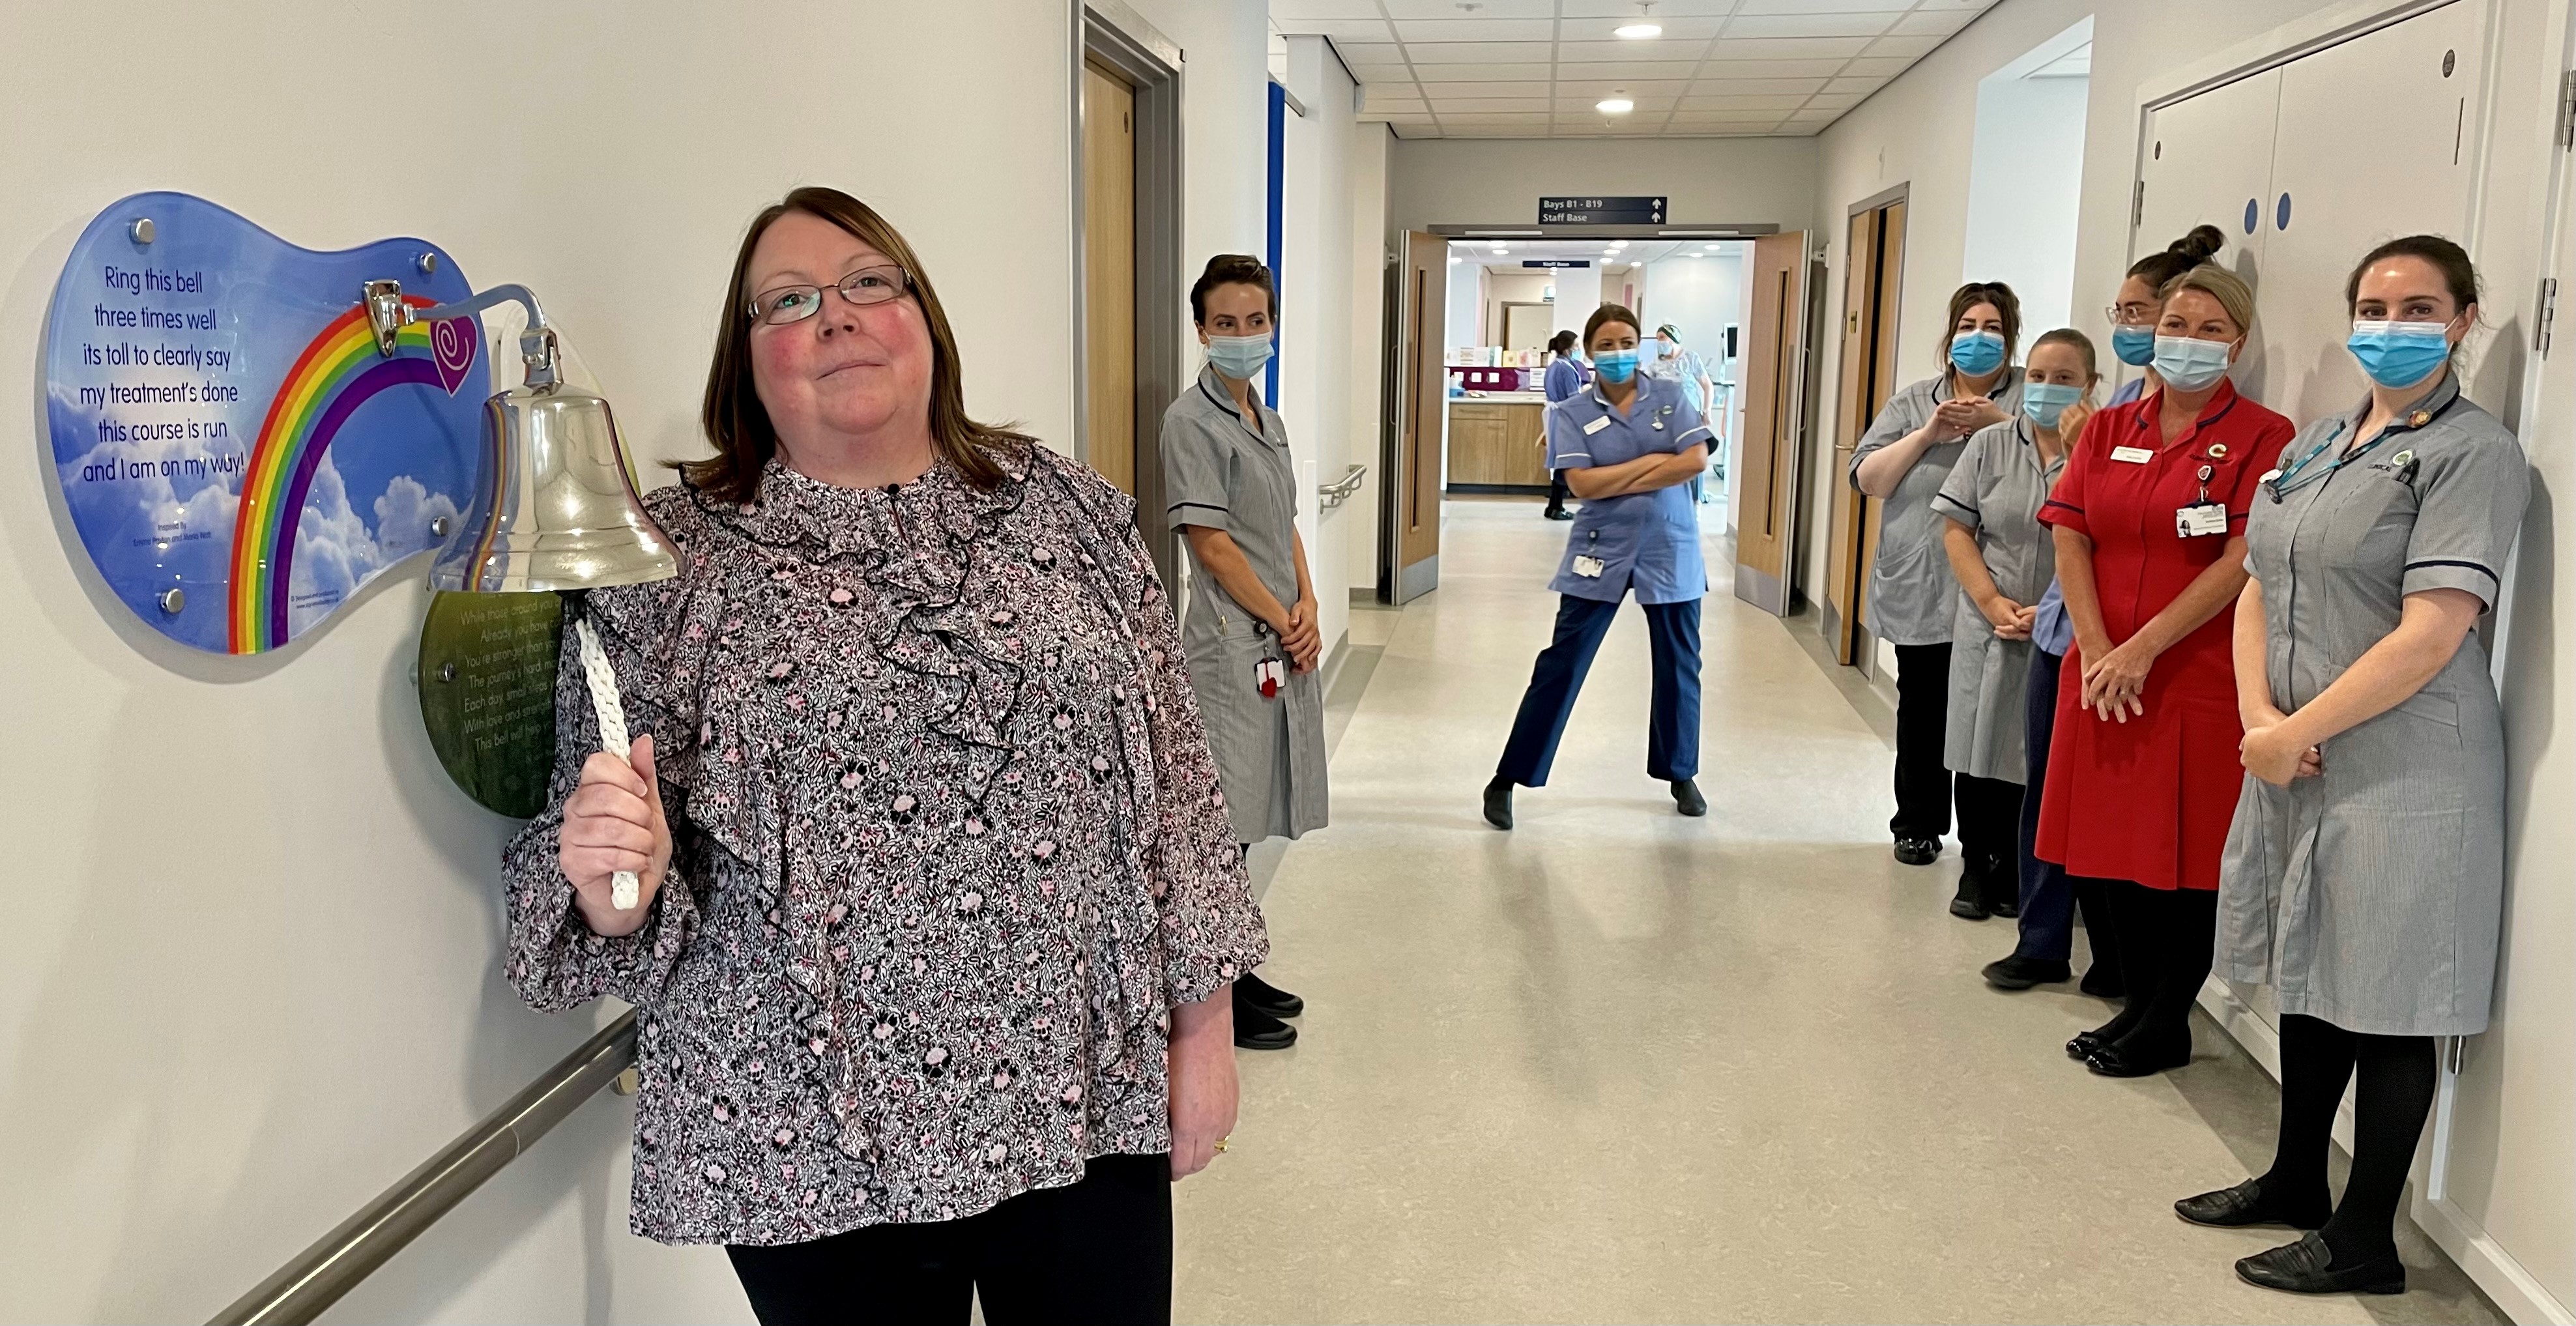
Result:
{"points": [[1538, 68]]}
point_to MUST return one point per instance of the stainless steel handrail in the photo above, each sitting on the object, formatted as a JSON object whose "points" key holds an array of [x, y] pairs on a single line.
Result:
{"points": [[316, 1279], [1340, 490]]}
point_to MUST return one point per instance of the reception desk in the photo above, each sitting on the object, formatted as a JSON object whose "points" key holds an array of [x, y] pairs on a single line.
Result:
{"points": [[1494, 444]]}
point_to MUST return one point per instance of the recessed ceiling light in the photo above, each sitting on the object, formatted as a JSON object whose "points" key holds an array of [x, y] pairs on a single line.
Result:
{"points": [[1614, 106], [1638, 31]]}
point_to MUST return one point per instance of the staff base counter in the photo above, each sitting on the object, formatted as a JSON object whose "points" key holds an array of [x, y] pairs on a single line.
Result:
{"points": [[1495, 444]]}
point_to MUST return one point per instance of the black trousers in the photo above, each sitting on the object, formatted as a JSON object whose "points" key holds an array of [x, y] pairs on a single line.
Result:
{"points": [[1096, 1251], [1989, 833], [1557, 492], [2394, 1097], [1922, 722], [2167, 941]]}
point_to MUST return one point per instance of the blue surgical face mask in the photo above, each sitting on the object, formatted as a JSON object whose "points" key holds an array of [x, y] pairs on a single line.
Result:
{"points": [[2400, 354], [2045, 402], [2135, 346], [2188, 364], [1239, 357], [1615, 366], [1977, 353]]}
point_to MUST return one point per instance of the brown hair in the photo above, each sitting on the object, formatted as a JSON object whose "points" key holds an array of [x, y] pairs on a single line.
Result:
{"points": [[2178, 257], [2069, 336], [1607, 313], [2440, 254], [1232, 269], [738, 424], [1969, 296], [2220, 284]]}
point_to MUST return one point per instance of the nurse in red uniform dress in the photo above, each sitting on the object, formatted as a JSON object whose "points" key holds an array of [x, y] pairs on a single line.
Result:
{"points": [[2143, 776]]}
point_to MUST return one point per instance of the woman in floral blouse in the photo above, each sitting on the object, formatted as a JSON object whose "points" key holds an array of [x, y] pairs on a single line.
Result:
{"points": [[940, 904]]}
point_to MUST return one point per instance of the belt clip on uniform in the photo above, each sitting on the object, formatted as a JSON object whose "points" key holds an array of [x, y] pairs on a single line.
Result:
{"points": [[1270, 673]]}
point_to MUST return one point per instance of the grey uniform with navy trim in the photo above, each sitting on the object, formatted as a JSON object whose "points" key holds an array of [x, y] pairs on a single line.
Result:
{"points": [[1995, 489], [1219, 473], [1910, 585], [2370, 896]]}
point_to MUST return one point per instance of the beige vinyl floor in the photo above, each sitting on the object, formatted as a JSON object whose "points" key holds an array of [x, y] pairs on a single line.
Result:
{"points": [[1620, 1066]]}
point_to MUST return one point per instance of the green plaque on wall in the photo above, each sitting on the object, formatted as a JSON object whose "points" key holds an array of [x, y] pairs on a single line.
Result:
{"points": [[487, 694]]}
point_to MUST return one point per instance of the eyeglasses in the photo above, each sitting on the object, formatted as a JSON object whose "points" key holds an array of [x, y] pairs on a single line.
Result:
{"points": [[795, 303], [2131, 315]]}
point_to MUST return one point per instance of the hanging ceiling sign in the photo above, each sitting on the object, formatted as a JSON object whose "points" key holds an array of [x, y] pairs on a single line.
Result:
{"points": [[1619, 210], [1556, 262], [237, 452]]}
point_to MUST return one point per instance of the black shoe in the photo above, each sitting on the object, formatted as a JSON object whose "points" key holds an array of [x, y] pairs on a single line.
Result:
{"points": [[2020, 973], [2007, 908], [2136, 1060], [2103, 984], [2307, 1267], [1918, 851], [2082, 1045], [2245, 1204], [1261, 996], [1256, 1030], [1687, 800], [1968, 903], [1560, 514], [1498, 802]]}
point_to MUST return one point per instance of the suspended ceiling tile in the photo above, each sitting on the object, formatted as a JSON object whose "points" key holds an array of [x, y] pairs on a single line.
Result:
{"points": [[1537, 116], [1786, 48], [1492, 131], [1664, 9], [1934, 22], [1450, 108], [1283, 10], [1781, 103], [1909, 47], [1409, 9], [1339, 29], [1516, 88], [1722, 68], [1860, 86], [1647, 107], [1358, 54], [1476, 29], [1676, 28], [1638, 87], [1882, 65], [1864, 24], [1745, 87], [1972, 6], [1750, 8], [1479, 73], [1396, 106], [1835, 101], [1476, 52], [1674, 69]]}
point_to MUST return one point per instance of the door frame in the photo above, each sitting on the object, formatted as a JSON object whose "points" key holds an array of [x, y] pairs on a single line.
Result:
{"points": [[1117, 38], [1848, 550]]}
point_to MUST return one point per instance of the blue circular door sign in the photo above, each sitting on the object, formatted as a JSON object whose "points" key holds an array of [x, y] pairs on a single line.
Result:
{"points": [[2281, 214], [2253, 214]]}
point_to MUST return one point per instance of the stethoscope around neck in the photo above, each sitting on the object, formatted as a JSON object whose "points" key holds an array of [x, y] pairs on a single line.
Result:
{"points": [[2296, 475]]}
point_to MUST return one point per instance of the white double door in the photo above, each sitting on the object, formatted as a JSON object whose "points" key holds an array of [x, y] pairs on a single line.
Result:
{"points": [[2306, 166]]}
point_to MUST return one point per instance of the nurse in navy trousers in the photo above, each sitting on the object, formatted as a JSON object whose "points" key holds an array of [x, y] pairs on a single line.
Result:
{"points": [[1903, 460], [2049, 902], [1565, 376], [2364, 875], [1250, 633], [1629, 448]]}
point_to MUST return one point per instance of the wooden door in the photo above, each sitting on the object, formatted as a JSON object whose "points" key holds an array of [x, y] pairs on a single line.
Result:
{"points": [[1109, 274], [1766, 535], [1414, 493], [1873, 267]]}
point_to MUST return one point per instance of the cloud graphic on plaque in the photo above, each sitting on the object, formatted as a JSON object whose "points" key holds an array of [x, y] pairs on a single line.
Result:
{"points": [[224, 423]]}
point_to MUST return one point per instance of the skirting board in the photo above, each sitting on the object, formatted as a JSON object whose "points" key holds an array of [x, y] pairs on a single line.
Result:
{"points": [[2516, 1292]]}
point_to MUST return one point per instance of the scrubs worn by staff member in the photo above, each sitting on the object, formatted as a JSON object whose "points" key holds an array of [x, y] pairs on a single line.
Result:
{"points": [[1250, 633], [1565, 376], [1671, 359], [1903, 460], [1629, 448], [2364, 878], [2048, 901], [2149, 522], [2003, 557]]}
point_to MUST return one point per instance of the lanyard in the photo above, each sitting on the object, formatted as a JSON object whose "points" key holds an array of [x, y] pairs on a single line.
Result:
{"points": [[2296, 476]]}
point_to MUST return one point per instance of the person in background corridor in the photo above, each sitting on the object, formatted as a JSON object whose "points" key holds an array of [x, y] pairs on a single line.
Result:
{"points": [[1250, 632], [2002, 557], [2049, 903], [1903, 460], [1565, 376], [2149, 521], [1671, 359], [2364, 879], [1628, 447]]}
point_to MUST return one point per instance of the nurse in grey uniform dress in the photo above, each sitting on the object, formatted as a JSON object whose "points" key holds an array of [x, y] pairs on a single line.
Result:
{"points": [[2364, 872], [1250, 632], [1903, 459], [2004, 559]]}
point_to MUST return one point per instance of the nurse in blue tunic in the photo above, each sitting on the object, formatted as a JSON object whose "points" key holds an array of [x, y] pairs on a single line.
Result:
{"points": [[1628, 447]]}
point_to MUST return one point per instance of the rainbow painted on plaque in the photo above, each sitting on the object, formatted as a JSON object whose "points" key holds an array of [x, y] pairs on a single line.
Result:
{"points": [[340, 370]]}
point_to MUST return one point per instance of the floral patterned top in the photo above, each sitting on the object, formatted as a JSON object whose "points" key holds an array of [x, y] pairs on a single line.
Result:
{"points": [[948, 846]]}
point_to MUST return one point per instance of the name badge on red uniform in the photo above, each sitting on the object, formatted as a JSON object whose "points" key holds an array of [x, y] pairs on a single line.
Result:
{"points": [[2200, 518]]}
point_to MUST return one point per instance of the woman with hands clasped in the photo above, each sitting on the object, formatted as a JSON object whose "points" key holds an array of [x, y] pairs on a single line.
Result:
{"points": [[939, 903], [1903, 459], [2003, 559], [2365, 873], [2148, 520], [1252, 632]]}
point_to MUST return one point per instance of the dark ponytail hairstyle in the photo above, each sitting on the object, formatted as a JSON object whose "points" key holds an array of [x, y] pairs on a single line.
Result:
{"points": [[1561, 344], [2181, 256], [1232, 269], [2442, 255]]}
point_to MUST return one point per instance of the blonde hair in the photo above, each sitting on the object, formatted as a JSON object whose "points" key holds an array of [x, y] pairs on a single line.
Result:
{"points": [[2220, 284]]}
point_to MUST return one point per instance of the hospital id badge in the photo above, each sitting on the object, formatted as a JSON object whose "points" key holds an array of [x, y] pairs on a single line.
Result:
{"points": [[1270, 674], [1590, 568], [2200, 518]]}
